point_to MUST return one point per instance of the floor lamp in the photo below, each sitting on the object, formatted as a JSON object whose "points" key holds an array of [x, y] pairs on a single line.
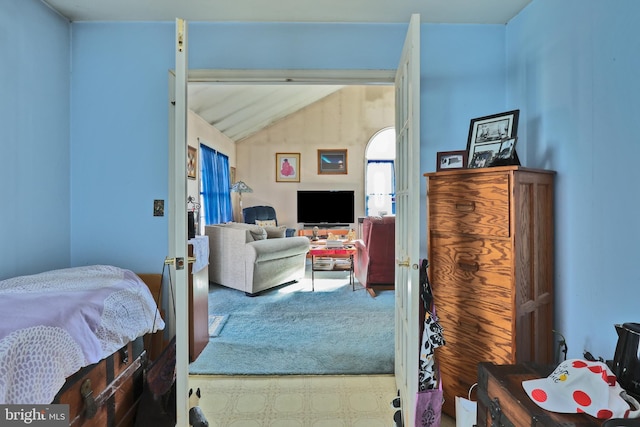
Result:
{"points": [[240, 187]]}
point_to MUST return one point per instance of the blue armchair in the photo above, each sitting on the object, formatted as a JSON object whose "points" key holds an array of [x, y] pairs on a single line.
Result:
{"points": [[263, 213]]}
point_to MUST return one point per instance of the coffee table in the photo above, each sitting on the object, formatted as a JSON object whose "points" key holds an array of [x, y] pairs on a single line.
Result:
{"points": [[318, 252]]}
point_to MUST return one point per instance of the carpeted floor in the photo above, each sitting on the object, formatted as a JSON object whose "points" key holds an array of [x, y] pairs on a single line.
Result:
{"points": [[291, 330]]}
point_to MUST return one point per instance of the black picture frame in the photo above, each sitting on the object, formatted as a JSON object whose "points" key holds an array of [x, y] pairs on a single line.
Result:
{"points": [[449, 160], [485, 138]]}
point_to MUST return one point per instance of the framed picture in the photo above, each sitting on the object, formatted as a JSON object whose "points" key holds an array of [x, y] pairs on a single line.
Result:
{"points": [[506, 152], [192, 162], [499, 154], [232, 175], [486, 135], [332, 162], [287, 167], [451, 160]]}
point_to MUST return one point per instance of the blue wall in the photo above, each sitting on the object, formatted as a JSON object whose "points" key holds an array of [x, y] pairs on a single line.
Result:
{"points": [[119, 107], [34, 139], [90, 200], [576, 84]]}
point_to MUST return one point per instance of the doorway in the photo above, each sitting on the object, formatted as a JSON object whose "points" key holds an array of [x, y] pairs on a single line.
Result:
{"points": [[270, 192]]}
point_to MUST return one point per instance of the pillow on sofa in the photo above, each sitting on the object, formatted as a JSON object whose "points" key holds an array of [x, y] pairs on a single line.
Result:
{"points": [[257, 233], [266, 222], [276, 232]]}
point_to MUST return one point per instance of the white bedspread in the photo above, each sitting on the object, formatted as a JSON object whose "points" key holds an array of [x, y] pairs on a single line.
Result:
{"points": [[54, 323]]}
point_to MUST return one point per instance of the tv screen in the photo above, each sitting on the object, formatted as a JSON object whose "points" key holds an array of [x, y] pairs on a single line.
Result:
{"points": [[326, 207]]}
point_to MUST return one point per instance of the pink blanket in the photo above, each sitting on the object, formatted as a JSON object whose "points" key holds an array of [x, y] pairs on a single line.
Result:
{"points": [[54, 323]]}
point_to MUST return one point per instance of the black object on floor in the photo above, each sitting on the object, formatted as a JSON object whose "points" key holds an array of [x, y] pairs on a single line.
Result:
{"points": [[397, 417]]}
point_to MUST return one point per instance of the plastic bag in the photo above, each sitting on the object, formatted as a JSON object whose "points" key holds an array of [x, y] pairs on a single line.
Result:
{"points": [[466, 410]]}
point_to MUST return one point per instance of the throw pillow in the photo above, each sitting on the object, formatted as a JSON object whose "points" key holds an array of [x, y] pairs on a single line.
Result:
{"points": [[266, 222], [258, 233], [275, 232]]}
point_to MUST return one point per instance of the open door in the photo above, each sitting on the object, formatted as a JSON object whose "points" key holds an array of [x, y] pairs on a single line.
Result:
{"points": [[177, 212], [408, 221]]}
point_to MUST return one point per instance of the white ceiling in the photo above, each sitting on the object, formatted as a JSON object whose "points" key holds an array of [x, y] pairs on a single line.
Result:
{"points": [[439, 11], [240, 110]]}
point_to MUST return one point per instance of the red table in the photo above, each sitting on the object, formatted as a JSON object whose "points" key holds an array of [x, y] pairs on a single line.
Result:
{"points": [[340, 253]]}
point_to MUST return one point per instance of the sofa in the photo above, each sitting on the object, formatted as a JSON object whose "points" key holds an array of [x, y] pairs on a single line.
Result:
{"points": [[252, 259], [375, 258]]}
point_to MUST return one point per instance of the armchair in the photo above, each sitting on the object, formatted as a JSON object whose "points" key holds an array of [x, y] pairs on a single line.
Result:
{"points": [[263, 213], [375, 257]]}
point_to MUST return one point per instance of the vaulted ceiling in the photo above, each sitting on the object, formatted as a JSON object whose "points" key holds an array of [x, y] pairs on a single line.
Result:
{"points": [[240, 110]]}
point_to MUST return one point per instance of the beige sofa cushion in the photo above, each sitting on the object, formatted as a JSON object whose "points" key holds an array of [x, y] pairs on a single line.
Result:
{"points": [[256, 232], [275, 232]]}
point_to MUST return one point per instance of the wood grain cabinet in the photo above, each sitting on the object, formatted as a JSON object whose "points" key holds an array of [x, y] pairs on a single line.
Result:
{"points": [[490, 249]]}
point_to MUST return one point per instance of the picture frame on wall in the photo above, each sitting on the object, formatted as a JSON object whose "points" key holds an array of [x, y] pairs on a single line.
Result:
{"points": [[332, 162], [287, 167], [192, 162], [486, 135], [448, 160]]}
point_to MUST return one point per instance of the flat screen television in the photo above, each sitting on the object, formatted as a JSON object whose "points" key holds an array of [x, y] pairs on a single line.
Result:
{"points": [[328, 207]]}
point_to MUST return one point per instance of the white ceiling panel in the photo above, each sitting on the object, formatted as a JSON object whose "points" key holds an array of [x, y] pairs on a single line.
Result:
{"points": [[239, 111], [439, 11]]}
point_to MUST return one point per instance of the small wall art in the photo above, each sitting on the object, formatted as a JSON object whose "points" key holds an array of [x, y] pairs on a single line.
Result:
{"points": [[192, 162], [287, 167], [332, 162]]}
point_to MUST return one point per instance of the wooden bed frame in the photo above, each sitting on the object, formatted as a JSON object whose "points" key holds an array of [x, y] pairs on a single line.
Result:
{"points": [[107, 393]]}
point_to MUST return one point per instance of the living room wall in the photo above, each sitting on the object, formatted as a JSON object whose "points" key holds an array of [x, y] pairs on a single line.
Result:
{"points": [[201, 132], [346, 119]]}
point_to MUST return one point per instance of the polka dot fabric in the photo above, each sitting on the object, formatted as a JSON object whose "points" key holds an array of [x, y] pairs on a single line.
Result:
{"points": [[581, 386]]}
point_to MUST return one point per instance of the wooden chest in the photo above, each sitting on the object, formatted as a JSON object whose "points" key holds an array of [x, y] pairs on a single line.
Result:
{"points": [[503, 402], [490, 241], [114, 384]]}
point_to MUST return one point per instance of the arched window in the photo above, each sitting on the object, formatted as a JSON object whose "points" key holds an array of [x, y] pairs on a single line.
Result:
{"points": [[380, 188]]}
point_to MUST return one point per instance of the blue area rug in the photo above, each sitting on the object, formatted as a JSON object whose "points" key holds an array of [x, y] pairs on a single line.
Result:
{"points": [[293, 331]]}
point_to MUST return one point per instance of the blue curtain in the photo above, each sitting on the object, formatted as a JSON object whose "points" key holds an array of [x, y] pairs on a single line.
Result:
{"points": [[215, 184]]}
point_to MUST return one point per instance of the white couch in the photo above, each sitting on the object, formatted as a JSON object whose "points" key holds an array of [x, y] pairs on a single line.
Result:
{"points": [[241, 256]]}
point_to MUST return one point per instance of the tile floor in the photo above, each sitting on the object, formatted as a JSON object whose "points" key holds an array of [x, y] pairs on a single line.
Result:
{"points": [[298, 401]]}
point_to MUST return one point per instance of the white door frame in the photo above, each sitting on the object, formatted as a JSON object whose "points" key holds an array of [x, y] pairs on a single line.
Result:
{"points": [[343, 77], [177, 242]]}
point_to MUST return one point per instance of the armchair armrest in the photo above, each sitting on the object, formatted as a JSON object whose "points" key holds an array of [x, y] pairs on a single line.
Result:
{"points": [[361, 262]]}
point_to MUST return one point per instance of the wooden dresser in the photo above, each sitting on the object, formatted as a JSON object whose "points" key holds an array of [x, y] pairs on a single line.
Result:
{"points": [[490, 249]]}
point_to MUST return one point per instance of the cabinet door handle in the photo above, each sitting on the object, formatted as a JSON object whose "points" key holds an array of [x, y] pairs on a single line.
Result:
{"points": [[466, 206], [469, 266]]}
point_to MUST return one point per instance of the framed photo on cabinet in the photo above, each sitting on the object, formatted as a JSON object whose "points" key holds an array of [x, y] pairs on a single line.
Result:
{"points": [[451, 160], [486, 135], [332, 162], [287, 167]]}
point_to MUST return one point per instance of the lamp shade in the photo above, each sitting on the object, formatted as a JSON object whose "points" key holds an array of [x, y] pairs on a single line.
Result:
{"points": [[241, 187]]}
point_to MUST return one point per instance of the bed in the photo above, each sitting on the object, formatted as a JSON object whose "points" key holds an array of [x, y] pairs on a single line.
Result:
{"points": [[58, 323]]}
